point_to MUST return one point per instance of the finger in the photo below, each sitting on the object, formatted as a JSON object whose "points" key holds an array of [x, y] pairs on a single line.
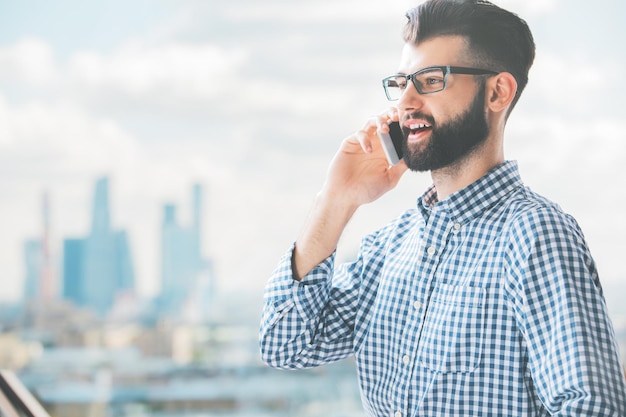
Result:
{"points": [[356, 143], [388, 116], [375, 124], [364, 139], [396, 171]]}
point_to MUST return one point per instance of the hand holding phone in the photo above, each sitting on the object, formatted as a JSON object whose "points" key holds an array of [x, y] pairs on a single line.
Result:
{"points": [[392, 143]]}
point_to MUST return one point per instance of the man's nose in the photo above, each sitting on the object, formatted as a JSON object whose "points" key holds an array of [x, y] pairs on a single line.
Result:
{"points": [[410, 100]]}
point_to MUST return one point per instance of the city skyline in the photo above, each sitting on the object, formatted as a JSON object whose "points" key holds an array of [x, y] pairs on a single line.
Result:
{"points": [[96, 270]]}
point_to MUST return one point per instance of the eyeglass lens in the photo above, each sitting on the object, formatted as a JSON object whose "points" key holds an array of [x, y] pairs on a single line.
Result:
{"points": [[425, 82]]}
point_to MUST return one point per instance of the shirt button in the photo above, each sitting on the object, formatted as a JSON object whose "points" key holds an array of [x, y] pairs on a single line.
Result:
{"points": [[431, 250], [397, 414], [406, 359], [457, 226], [417, 305]]}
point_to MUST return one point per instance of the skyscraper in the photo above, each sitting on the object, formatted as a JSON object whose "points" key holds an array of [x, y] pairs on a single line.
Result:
{"points": [[32, 266], [73, 260], [186, 276], [47, 277], [40, 280], [99, 266]]}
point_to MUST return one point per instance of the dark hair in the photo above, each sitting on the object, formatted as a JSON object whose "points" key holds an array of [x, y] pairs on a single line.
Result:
{"points": [[497, 39]]}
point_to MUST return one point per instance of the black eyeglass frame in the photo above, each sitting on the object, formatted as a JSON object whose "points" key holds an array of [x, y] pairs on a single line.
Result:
{"points": [[446, 69]]}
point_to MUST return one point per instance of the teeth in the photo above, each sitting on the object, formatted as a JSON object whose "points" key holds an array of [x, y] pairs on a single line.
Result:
{"points": [[418, 126]]}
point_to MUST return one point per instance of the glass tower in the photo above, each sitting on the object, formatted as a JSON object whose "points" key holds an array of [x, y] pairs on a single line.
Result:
{"points": [[99, 266], [184, 270]]}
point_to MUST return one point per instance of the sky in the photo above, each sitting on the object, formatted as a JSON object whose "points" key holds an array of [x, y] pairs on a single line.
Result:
{"points": [[251, 99]]}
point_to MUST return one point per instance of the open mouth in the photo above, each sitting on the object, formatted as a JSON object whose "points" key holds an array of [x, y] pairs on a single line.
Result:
{"points": [[416, 128]]}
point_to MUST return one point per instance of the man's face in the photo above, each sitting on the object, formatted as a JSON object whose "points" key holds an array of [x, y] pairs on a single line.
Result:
{"points": [[450, 140], [444, 127]]}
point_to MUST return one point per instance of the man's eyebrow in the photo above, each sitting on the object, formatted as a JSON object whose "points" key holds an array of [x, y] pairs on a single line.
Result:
{"points": [[431, 68]]}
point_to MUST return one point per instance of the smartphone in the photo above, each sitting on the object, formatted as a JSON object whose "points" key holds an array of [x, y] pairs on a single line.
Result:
{"points": [[392, 143]]}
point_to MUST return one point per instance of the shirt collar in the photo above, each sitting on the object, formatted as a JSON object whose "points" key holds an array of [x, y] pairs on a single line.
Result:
{"points": [[463, 205]]}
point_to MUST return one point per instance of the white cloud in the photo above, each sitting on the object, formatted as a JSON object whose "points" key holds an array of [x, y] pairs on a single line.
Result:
{"points": [[5, 132], [528, 9], [62, 134], [138, 69], [326, 11], [274, 96], [134, 70], [557, 144], [573, 83], [353, 11], [31, 60]]}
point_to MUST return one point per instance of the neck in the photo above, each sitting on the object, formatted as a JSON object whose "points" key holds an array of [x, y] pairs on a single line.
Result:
{"points": [[471, 168]]}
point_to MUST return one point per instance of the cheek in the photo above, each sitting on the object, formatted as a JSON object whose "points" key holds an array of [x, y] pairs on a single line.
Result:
{"points": [[451, 108]]}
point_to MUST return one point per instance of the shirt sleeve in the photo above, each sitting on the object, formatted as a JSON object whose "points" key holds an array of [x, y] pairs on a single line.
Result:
{"points": [[557, 299], [309, 322]]}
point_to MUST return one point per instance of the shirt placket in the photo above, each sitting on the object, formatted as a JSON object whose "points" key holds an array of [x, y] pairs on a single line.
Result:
{"points": [[429, 249]]}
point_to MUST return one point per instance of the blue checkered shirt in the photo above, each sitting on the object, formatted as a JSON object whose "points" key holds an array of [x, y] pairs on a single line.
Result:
{"points": [[487, 303]]}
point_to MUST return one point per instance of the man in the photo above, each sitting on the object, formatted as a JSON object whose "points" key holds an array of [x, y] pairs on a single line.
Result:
{"points": [[484, 300]]}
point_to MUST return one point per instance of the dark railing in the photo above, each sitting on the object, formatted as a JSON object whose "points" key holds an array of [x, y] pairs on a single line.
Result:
{"points": [[16, 400]]}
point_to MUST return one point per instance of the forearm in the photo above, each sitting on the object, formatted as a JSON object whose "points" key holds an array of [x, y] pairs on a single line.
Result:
{"points": [[321, 233]]}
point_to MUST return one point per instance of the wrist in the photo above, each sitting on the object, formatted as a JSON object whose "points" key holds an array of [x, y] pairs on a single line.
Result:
{"points": [[338, 204]]}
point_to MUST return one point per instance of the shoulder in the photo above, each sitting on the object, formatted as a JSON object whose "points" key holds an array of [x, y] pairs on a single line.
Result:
{"points": [[533, 217], [540, 236]]}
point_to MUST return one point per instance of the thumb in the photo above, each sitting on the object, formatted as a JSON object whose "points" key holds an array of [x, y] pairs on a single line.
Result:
{"points": [[396, 172]]}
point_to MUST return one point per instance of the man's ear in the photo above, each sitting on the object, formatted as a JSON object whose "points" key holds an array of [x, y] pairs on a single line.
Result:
{"points": [[501, 90]]}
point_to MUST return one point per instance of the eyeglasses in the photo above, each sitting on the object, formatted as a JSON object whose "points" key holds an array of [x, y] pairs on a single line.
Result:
{"points": [[427, 80]]}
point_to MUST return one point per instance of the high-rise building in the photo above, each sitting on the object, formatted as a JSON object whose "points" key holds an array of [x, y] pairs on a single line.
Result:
{"points": [[47, 277], [98, 267], [32, 266], [40, 279], [73, 260], [186, 275]]}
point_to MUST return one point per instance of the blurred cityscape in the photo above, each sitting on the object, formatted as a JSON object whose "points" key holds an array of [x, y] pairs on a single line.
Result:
{"points": [[86, 345]]}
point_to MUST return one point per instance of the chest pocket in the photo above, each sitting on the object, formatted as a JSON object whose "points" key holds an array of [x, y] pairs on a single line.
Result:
{"points": [[452, 335]]}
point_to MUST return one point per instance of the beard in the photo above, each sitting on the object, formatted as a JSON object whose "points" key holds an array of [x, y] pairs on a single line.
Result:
{"points": [[449, 142]]}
